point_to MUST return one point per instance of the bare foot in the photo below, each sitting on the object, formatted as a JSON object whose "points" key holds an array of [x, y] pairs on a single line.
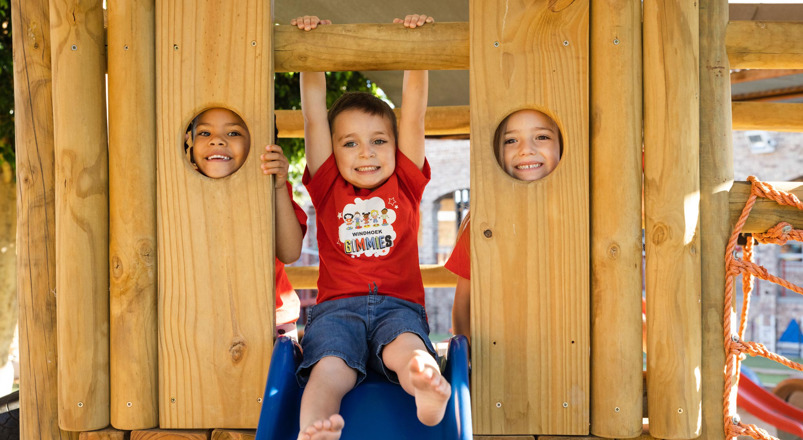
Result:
{"points": [[327, 429], [432, 392]]}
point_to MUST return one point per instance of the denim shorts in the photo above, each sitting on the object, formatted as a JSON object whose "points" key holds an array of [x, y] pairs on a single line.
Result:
{"points": [[356, 330]]}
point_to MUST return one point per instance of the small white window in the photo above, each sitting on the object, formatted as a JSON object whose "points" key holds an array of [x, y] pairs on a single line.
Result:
{"points": [[761, 142]]}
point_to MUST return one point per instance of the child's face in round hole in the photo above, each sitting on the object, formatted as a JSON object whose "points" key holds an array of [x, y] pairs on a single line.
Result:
{"points": [[529, 145], [364, 148], [221, 142]]}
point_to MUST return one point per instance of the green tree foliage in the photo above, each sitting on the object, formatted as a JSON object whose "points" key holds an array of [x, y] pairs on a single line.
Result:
{"points": [[6, 85], [288, 97]]}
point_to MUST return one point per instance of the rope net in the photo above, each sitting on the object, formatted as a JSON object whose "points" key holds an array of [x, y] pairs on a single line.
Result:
{"points": [[735, 345]]}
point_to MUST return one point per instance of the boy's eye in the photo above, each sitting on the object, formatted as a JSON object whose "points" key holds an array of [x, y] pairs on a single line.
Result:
{"points": [[510, 141], [542, 137], [380, 141], [350, 144], [234, 133], [204, 133]]}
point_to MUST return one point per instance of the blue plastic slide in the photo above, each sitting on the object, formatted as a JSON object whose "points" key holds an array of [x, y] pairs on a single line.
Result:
{"points": [[376, 408]]}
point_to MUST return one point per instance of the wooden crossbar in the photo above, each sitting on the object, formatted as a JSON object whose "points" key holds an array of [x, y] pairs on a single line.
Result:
{"points": [[764, 45]]}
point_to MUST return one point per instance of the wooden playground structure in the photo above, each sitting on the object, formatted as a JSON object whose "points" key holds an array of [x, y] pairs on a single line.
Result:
{"points": [[163, 276]]}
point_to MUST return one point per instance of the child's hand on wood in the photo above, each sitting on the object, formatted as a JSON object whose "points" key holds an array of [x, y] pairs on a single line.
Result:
{"points": [[274, 162], [414, 20], [308, 22]]}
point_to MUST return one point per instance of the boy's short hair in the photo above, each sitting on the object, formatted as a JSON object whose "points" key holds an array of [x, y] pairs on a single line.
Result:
{"points": [[364, 102]]}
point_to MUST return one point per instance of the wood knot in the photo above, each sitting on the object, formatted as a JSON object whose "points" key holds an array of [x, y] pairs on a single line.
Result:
{"points": [[237, 349], [559, 5], [145, 251], [660, 233], [117, 267], [487, 233], [613, 251]]}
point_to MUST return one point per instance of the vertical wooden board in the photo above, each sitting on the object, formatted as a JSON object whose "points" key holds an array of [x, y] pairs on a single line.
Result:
{"points": [[616, 237], [132, 222], [530, 241], [215, 236], [672, 208], [36, 261], [716, 180], [82, 212]]}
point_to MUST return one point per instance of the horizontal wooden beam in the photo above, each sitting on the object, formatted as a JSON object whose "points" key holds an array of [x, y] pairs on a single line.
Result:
{"points": [[765, 45], [434, 275], [768, 116], [345, 47], [743, 76], [766, 213], [440, 121]]}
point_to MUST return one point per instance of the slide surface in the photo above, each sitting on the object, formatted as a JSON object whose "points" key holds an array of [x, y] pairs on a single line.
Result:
{"points": [[768, 407]]}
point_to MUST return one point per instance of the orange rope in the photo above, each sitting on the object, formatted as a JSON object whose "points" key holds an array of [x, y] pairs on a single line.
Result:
{"points": [[735, 346]]}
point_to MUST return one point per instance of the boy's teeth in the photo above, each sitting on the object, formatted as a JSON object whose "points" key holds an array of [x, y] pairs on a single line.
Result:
{"points": [[367, 168], [529, 166], [218, 156]]}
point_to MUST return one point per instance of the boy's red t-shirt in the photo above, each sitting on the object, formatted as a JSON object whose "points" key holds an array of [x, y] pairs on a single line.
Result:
{"points": [[368, 239], [287, 303], [459, 261]]}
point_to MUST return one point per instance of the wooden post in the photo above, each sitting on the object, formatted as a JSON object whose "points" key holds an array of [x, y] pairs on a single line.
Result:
{"points": [[36, 259], [671, 201], [132, 205], [215, 236], [82, 212], [716, 180], [765, 45], [530, 241], [616, 166], [770, 116]]}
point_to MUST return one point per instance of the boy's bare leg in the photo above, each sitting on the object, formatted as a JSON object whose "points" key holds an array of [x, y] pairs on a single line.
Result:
{"points": [[419, 375], [329, 381]]}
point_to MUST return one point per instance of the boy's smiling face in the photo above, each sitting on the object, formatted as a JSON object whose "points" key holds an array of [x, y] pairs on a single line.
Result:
{"points": [[364, 148], [221, 142], [529, 145]]}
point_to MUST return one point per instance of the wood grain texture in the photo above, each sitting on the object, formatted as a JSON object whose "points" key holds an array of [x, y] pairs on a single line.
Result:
{"points": [[716, 178], [765, 213], [433, 275], [770, 116], [440, 121], [132, 207], [36, 215], [672, 209], [530, 241], [159, 434], [82, 212], [616, 166], [215, 236], [765, 45], [229, 434], [341, 47], [104, 434]]}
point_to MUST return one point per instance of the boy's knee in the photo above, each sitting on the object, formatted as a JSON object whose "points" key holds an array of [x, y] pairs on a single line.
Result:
{"points": [[332, 365]]}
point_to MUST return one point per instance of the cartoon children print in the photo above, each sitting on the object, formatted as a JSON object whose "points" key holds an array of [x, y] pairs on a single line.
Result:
{"points": [[361, 232]]}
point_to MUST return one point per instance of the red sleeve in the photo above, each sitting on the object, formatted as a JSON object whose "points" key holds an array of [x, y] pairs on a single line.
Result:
{"points": [[409, 174], [459, 261], [321, 183]]}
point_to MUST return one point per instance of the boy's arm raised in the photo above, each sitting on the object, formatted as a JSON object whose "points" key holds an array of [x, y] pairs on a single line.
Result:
{"points": [[415, 89], [317, 137]]}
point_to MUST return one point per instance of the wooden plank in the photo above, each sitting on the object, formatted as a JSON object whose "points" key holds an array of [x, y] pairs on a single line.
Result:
{"points": [[36, 255], [104, 434], [433, 275], [230, 434], [671, 202], [716, 177], [82, 212], [160, 434], [504, 437], [767, 116], [530, 241], [342, 47], [743, 76], [765, 213], [440, 121], [616, 237], [215, 236], [132, 206], [765, 45]]}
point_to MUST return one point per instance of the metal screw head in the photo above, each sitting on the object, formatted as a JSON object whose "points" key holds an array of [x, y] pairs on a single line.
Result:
{"points": [[172, 400], [736, 420], [565, 42], [615, 41], [80, 404], [125, 47], [680, 410], [175, 47], [74, 47], [616, 409], [259, 400], [565, 404], [496, 44], [253, 43], [735, 338], [487, 233], [129, 404], [498, 404]]}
